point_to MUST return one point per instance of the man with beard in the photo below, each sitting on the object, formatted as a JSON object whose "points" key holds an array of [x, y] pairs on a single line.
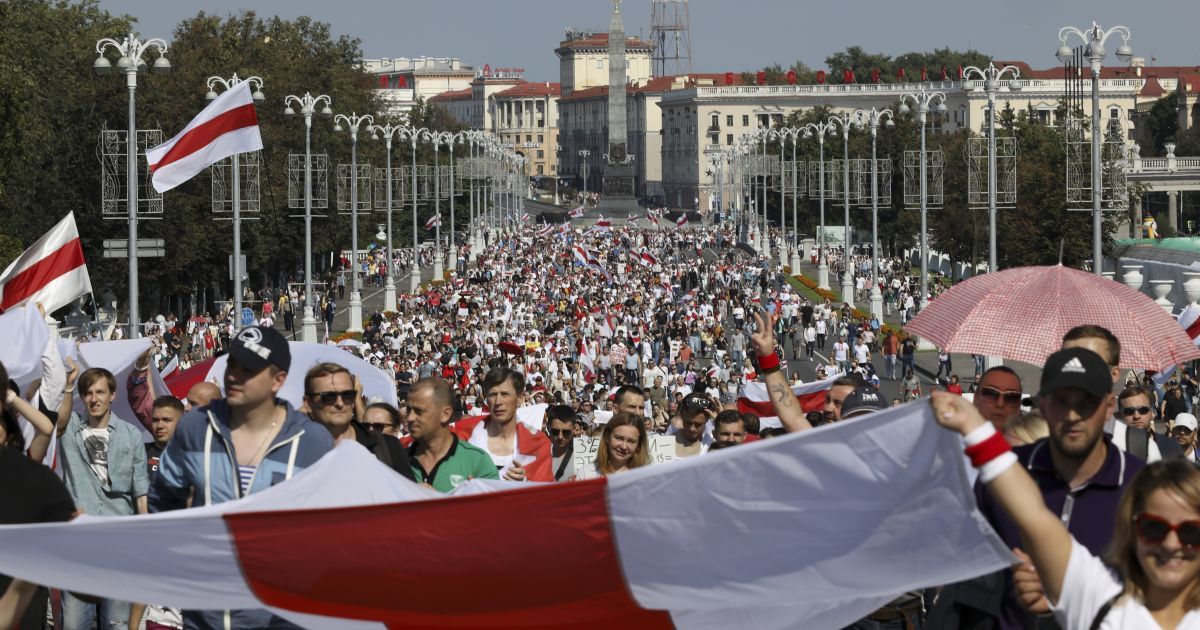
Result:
{"points": [[1079, 471]]}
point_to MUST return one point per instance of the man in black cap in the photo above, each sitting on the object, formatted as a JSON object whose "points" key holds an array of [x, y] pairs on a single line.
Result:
{"points": [[1080, 472], [238, 445], [863, 400]]}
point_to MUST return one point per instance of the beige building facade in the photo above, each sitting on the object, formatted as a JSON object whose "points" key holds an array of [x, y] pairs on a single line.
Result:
{"points": [[583, 61], [526, 115], [701, 120]]}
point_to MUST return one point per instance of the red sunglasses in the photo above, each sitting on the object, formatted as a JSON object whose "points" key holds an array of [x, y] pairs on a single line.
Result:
{"points": [[1154, 529]]}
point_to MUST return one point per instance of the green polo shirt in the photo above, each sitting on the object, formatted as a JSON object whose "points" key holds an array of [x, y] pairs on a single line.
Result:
{"points": [[462, 462]]}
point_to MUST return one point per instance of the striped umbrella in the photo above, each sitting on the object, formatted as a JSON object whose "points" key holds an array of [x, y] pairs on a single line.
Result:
{"points": [[1023, 313]]}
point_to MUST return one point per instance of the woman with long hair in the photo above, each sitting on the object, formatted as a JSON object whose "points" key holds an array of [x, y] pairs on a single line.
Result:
{"points": [[1152, 573], [623, 446]]}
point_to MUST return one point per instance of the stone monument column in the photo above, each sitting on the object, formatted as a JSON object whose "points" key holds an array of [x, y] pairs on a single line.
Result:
{"points": [[617, 201]]}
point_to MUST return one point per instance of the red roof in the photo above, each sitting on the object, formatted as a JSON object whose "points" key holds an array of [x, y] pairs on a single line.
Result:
{"points": [[1106, 72], [452, 95], [536, 88], [600, 40], [1189, 83], [1152, 88]]}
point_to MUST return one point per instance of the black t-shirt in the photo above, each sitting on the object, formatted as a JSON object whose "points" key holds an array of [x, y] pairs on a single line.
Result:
{"points": [[153, 452], [30, 493]]}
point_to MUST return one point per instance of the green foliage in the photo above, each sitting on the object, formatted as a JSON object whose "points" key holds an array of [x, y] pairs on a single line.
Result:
{"points": [[10, 248], [1162, 123], [52, 108], [862, 63]]}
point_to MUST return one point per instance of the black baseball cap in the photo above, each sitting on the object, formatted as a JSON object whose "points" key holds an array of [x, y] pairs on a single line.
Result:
{"points": [[256, 347], [863, 400], [1076, 367]]}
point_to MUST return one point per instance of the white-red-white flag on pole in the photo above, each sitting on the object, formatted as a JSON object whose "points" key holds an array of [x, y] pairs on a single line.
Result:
{"points": [[228, 126], [576, 213], [433, 222], [52, 271], [682, 220]]}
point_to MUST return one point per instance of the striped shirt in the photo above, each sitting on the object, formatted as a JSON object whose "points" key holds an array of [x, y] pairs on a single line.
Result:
{"points": [[245, 475]]}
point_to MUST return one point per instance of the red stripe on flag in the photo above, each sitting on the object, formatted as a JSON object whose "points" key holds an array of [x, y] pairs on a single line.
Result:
{"points": [[1194, 330], [36, 276], [529, 557], [814, 401], [205, 133]]}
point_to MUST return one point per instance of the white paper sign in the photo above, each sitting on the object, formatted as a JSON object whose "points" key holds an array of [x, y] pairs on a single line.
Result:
{"points": [[662, 449]]}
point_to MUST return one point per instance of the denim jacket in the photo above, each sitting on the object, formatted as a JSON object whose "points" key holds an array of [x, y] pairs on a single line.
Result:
{"points": [[127, 474]]}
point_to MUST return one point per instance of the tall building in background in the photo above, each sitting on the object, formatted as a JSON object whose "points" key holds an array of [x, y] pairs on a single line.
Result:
{"points": [[671, 35], [401, 81]]}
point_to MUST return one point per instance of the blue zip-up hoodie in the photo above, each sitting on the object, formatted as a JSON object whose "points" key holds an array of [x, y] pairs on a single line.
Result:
{"points": [[200, 456]]}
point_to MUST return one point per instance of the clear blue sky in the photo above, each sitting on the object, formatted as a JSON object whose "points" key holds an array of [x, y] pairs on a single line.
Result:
{"points": [[727, 35]]}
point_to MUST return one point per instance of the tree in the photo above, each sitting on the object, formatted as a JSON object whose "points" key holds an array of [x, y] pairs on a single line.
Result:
{"points": [[1162, 123]]}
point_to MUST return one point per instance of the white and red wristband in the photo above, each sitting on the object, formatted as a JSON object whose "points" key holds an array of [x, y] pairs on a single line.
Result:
{"points": [[989, 452]]}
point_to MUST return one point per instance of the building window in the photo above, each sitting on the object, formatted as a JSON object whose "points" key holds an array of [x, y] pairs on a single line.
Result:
{"points": [[729, 139], [541, 169], [745, 120], [528, 137], [541, 154], [714, 139], [540, 140], [716, 120], [729, 120]]}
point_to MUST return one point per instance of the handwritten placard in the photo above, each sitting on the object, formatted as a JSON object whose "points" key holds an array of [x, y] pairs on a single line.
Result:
{"points": [[662, 449]]}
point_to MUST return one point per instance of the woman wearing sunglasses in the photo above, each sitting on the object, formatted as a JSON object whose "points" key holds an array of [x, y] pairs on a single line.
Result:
{"points": [[1153, 563]]}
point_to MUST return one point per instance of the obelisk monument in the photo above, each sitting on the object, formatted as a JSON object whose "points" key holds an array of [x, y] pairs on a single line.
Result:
{"points": [[617, 201]]}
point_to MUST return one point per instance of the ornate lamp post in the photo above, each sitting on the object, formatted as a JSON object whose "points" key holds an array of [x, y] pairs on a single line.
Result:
{"points": [[846, 121], [414, 135], [991, 77], [388, 132], [353, 122], [1095, 37], [874, 118], [820, 130], [132, 50], [585, 155], [256, 83], [923, 101], [308, 105]]}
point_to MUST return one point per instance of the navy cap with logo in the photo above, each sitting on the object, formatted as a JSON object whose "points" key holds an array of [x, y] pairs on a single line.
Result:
{"points": [[1076, 367], [256, 347], [863, 400]]}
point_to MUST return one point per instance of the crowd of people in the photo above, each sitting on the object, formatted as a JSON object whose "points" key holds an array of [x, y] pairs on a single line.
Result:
{"points": [[628, 339]]}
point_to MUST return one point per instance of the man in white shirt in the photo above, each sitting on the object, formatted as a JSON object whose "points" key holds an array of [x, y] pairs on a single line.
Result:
{"points": [[841, 354]]}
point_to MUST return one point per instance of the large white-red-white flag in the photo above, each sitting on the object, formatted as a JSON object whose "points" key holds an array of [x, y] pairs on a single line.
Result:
{"points": [[433, 222], [52, 271], [812, 560], [228, 126], [753, 398]]}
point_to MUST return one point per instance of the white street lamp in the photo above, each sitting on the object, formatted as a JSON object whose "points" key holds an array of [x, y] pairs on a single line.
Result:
{"points": [[874, 118], [132, 50], [991, 77], [308, 104], [1095, 37], [353, 122], [388, 132], [256, 83], [923, 100], [821, 129]]}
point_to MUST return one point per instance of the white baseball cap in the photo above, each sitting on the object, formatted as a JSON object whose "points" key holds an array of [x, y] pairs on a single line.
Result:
{"points": [[1186, 420]]}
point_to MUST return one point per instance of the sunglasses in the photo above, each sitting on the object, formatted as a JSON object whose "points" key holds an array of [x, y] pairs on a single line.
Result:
{"points": [[1129, 411], [328, 398], [1154, 529], [1005, 398], [378, 426], [1184, 431], [560, 431]]}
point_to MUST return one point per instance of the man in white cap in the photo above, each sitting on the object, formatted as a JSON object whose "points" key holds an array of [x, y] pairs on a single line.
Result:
{"points": [[1184, 433]]}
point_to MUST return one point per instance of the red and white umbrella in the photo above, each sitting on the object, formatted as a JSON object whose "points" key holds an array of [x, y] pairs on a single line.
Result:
{"points": [[1023, 313]]}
